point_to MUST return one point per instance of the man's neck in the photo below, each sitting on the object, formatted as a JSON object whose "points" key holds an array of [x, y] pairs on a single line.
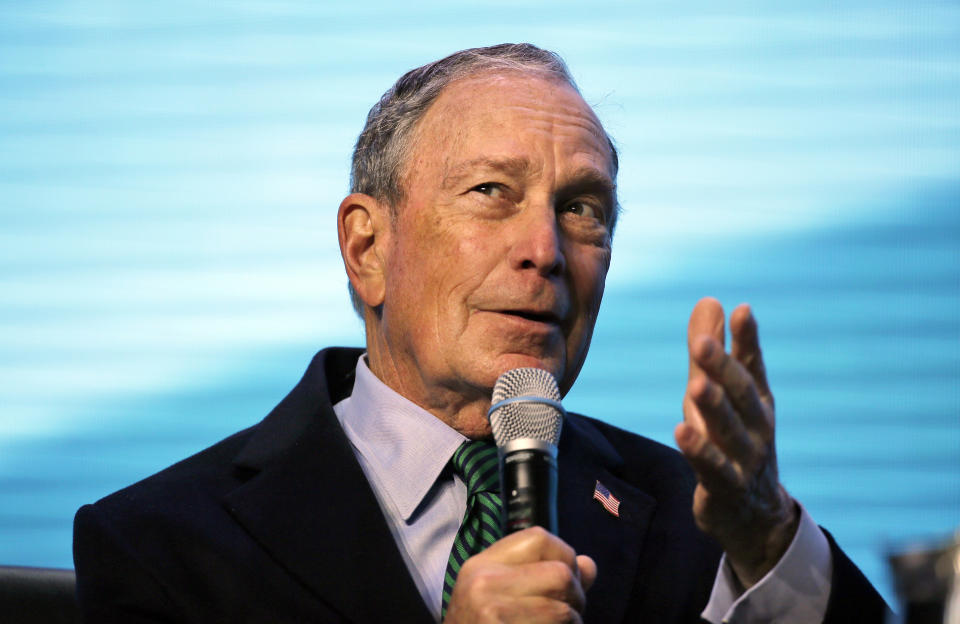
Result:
{"points": [[463, 409]]}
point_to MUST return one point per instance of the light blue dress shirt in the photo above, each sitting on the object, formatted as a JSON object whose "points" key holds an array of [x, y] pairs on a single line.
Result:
{"points": [[404, 452]]}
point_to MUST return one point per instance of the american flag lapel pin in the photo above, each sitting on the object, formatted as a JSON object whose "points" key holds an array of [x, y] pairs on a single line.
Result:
{"points": [[610, 502]]}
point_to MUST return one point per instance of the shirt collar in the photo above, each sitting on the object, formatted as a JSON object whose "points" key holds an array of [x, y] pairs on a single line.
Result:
{"points": [[404, 445]]}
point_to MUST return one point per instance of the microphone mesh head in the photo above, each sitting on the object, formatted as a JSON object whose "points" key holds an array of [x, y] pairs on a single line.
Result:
{"points": [[525, 419]]}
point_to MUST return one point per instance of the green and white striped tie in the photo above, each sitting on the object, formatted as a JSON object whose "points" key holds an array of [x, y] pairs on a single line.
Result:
{"points": [[477, 464]]}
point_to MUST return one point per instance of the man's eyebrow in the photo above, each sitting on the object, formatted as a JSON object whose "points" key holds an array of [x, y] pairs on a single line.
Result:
{"points": [[508, 165], [596, 182], [592, 180]]}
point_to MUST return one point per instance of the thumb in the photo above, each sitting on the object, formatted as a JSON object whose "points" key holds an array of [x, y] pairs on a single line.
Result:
{"points": [[588, 571]]}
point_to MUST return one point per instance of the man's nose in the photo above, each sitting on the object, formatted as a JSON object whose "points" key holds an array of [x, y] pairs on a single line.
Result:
{"points": [[538, 243]]}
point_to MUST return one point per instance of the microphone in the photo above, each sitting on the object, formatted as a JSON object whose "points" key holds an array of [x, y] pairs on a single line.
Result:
{"points": [[526, 417]]}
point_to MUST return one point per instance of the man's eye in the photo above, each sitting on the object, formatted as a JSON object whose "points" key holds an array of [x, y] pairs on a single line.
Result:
{"points": [[491, 189], [584, 209]]}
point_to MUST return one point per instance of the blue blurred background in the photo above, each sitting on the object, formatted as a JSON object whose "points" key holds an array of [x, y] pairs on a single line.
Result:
{"points": [[170, 172]]}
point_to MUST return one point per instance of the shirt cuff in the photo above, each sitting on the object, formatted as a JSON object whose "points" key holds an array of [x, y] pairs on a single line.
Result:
{"points": [[796, 590]]}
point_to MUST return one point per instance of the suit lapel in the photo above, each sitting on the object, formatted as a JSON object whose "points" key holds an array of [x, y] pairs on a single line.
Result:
{"points": [[614, 542], [310, 506], [307, 502]]}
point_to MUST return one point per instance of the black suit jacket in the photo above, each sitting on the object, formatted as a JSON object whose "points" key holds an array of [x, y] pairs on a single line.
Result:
{"points": [[278, 523]]}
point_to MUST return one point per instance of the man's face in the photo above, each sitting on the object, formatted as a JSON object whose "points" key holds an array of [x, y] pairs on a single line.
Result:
{"points": [[500, 248]]}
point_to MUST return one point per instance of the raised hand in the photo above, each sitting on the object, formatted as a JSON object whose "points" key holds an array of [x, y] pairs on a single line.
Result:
{"points": [[727, 434], [528, 576]]}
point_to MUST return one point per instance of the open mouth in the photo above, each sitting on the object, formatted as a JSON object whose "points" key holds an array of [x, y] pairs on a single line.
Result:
{"points": [[539, 317]]}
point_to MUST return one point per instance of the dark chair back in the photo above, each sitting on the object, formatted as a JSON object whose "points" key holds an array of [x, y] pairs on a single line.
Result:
{"points": [[29, 595]]}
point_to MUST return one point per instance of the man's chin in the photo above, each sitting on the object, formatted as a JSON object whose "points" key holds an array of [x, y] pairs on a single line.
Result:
{"points": [[479, 430], [510, 361]]}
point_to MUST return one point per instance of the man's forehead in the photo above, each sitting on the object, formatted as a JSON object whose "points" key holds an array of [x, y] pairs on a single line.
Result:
{"points": [[475, 107], [454, 170]]}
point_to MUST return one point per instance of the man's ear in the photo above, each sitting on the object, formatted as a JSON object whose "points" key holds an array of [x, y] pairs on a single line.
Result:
{"points": [[363, 227]]}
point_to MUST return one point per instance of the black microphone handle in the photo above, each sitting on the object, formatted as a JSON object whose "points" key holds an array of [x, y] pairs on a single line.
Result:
{"points": [[528, 482]]}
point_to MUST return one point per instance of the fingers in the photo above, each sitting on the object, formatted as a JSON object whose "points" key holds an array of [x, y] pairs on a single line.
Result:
{"points": [[530, 611], [533, 610], [746, 348], [706, 319], [550, 567], [551, 579], [727, 421], [528, 576], [714, 470], [531, 545], [723, 425], [737, 386]]}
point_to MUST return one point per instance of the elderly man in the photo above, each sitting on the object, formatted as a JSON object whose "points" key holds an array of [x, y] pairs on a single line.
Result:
{"points": [[476, 239]]}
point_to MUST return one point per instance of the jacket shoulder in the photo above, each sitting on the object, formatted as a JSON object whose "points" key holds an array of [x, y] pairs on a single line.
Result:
{"points": [[214, 471], [204, 473]]}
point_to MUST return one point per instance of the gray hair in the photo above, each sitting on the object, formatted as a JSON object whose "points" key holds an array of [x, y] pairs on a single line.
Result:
{"points": [[383, 147]]}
